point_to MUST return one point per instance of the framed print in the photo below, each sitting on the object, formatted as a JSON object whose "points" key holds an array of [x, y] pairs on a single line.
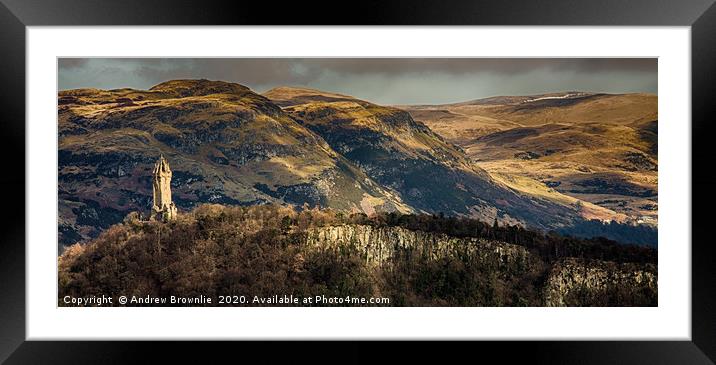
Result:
{"points": [[530, 181]]}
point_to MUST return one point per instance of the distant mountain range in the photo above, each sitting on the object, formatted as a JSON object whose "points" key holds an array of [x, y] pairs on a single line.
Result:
{"points": [[229, 145], [598, 148]]}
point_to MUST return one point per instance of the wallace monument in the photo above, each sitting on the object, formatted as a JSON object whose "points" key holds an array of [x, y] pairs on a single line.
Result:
{"points": [[163, 208]]}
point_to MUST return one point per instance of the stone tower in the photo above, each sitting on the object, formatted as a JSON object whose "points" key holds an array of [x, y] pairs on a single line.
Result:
{"points": [[163, 208]]}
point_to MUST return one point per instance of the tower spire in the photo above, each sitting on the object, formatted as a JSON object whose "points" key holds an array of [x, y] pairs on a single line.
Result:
{"points": [[163, 208]]}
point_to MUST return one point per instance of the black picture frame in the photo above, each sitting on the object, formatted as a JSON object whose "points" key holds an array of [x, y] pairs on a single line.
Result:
{"points": [[16, 15]]}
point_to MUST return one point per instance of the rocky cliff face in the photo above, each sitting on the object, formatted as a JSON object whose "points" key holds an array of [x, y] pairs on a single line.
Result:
{"points": [[383, 244], [569, 282], [599, 283]]}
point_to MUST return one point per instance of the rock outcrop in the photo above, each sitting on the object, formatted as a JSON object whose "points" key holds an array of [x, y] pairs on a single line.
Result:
{"points": [[382, 244], [574, 282]]}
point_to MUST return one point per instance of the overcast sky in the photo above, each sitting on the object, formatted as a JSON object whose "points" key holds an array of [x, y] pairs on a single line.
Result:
{"points": [[381, 80]]}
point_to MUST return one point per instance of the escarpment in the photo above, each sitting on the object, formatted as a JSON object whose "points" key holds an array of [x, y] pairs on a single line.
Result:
{"points": [[381, 245], [600, 283]]}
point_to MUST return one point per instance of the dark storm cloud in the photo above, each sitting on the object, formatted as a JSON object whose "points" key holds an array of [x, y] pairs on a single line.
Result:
{"points": [[67, 63], [251, 71], [471, 65], [384, 80]]}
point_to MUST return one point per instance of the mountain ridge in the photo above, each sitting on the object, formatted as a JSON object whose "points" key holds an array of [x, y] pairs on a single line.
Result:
{"points": [[230, 145]]}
